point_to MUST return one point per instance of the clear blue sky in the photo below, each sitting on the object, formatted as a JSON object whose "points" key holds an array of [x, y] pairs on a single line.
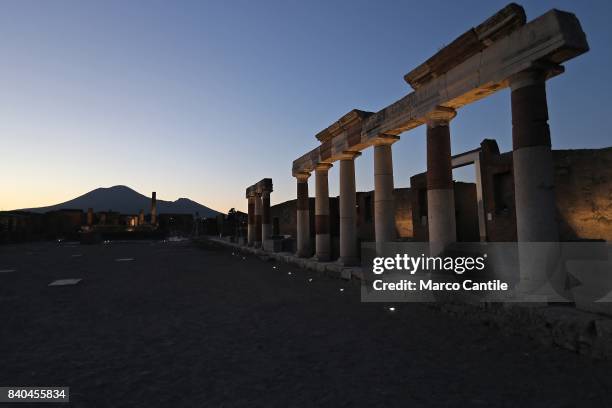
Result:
{"points": [[200, 99]]}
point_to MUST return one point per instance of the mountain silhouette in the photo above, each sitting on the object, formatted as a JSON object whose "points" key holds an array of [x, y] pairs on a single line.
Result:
{"points": [[124, 200]]}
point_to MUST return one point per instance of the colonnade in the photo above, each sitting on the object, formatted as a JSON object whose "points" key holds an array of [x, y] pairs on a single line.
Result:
{"points": [[259, 222], [533, 177]]}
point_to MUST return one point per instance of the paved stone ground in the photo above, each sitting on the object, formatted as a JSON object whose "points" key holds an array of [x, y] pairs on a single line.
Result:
{"points": [[181, 326]]}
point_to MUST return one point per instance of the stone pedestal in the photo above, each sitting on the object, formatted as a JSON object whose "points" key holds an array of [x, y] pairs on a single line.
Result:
{"points": [[303, 216], [349, 254], [384, 210], [323, 237], [440, 192]]}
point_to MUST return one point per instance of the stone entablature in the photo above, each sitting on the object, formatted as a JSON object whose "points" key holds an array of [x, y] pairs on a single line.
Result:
{"points": [[544, 42], [263, 185], [473, 41]]}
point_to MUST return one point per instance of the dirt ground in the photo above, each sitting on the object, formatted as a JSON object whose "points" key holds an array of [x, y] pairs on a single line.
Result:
{"points": [[180, 326]]}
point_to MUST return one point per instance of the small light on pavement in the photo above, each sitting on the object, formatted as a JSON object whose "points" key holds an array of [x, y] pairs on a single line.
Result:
{"points": [[309, 279], [391, 309], [341, 289], [288, 273]]}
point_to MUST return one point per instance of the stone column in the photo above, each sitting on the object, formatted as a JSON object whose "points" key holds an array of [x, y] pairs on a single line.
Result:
{"points": [[251, 221], [266, 223], [323, 237], [258, 214], [440, 190], [141, 217], [303, 216], [349, 254], [384, 209], [534, 193], [532, 159], [154, 208]]}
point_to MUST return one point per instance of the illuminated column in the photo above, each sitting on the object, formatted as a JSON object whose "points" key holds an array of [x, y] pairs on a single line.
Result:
{"points": [[349, 254], [303, 216], [534, 192], [154, 208], [440, 191], [258, 213], [532, 158], [141, 217], [384, 211], [266, 224], [251, 219], [323, 237]]}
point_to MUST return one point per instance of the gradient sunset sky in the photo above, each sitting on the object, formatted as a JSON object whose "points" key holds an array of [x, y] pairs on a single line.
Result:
{"points": [[201, 99]]}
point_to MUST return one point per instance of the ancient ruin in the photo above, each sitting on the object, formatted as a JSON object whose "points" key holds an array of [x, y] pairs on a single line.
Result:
{"points": [[502, 52], [259, 225]]}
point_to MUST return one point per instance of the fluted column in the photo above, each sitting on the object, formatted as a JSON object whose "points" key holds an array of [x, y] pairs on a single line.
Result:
{"points": [[258, 214], [440, 189], [323, 237], [384, 209], [349, 254], [303, 216], [251, 221], [266, 223]]}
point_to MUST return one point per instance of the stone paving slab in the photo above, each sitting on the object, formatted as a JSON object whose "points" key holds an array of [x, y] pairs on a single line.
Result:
{"points": [[564, 326]]}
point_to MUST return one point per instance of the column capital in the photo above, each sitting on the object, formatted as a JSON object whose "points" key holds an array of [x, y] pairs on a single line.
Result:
{"points": [[302, 176], [385, 139], [349, 155], [323, 167], [528, 77], [535, 75], [440, 116]]}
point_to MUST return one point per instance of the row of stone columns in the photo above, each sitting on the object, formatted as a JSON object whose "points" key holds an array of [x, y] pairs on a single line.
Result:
{"points": [[383, 205], [533, 179], [259, 226]]}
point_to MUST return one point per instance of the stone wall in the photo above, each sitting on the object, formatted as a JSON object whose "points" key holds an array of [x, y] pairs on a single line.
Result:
{"points": [[583, 181], [583, 187], [403, 213]]}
